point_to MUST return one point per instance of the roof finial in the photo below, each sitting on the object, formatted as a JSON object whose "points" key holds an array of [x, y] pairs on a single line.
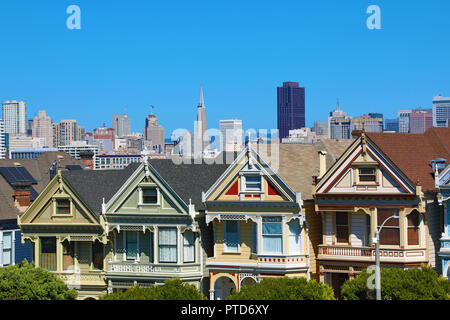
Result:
{"points": [[201, 101]]}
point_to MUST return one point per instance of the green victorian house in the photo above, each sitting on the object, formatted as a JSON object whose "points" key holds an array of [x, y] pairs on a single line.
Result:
{"points": [[107, 230]]}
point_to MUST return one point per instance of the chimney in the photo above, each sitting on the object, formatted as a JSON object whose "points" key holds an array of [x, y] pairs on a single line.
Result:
{"points": [[22, 194], [322, 163], [87, 158]]}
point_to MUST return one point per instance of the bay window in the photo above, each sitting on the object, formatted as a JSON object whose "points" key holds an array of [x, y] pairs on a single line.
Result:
{"points": [[413, 228], [168, 245], [272, 235]]}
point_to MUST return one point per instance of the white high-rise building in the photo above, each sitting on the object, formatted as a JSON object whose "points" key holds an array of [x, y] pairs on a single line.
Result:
{"points": [[2, 140], [231, 135], [403, 120], [15, 117], [441, 111], [121, 123]]}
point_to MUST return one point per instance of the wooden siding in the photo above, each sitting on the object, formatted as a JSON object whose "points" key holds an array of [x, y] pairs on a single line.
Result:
{"points": [[315, 238], [358, 227]]}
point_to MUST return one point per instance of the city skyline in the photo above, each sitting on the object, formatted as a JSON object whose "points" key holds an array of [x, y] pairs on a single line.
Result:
{"points": [[70, 73]]}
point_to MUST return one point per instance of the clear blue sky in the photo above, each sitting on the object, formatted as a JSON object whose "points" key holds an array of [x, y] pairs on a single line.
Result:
{"points": [[142, 53]]}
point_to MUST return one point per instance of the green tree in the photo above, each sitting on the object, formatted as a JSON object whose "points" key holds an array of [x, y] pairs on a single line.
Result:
{"points": [[173, 289], [284, 288], [398, 284], [24, 281]]}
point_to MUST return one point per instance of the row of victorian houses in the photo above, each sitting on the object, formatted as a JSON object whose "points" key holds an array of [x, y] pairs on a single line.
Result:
{"points": [[272, 210]]}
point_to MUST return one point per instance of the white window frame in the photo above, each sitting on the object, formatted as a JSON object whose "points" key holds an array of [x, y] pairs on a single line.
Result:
{"points": [[12, 249], [141, 196], [125, 253], [282, 223], [244, 181], [193, 246]]}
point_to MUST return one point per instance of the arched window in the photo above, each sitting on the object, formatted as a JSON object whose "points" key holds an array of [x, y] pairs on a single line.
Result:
{"points": [[413, 228]]}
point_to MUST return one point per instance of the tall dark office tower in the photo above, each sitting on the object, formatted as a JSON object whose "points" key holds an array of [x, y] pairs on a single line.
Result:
{"points": [[291, 108]]}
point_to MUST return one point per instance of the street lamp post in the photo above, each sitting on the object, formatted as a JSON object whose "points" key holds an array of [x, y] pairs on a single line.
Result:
{"points": [[377, 258]]}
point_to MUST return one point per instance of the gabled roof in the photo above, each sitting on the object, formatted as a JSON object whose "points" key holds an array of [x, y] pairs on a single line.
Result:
{"points": [[412, 153], [188, 180], [94, 185], [38, 168], [298, 163]]}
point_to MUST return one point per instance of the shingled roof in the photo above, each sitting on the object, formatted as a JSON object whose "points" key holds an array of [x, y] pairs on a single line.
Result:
{"points": [[189, 180], [39, 170], [412, 153], [94, 185]]}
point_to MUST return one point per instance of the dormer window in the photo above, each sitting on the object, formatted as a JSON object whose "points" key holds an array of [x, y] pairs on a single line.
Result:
{"points": [[367, 174], [253, 183]]}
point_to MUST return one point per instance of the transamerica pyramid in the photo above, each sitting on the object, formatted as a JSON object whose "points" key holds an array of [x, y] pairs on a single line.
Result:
{"points": [[201, 141]]}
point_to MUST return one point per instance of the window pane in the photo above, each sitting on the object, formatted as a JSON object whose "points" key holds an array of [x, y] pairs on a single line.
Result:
{"points": [[149, 195], [271, 228], [383, 214], [342, 234], [231, 226], [413, 219], [413, 236], [341, 218], [168, 244], [168, 236], [189, 240], [6, 257], [97, 255], [132, 250], [48, 253], [254, 237], [63, 207], [68, 249], [390, 236], [7, 239], [294, 237], [272, 244]]}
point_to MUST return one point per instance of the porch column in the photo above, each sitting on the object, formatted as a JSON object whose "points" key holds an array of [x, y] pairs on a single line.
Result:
{"points": [[1, 249], [59, 255], [211, 294], [373, 223], [155, 245], [37, 249]]}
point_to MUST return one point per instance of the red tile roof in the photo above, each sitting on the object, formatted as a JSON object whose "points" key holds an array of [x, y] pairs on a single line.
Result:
{"points": [[412, 153]]}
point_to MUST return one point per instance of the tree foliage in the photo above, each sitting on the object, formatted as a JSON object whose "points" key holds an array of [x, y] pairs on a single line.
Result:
{"points": [[284, 288], [24, 281], [173, 289], [398, 284]]}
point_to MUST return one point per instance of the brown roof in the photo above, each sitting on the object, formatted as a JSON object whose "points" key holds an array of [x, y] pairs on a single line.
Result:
{"points": [[298, 163], [39, 169], [412, 153]]}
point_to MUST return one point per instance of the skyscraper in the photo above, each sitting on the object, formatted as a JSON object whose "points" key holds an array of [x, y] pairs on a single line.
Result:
{"points": [[369, 123], [121, 123], [14, 116], [420, 120], [42, 128], [154, 133], [231, 135], [441, 111], [291, 108], [403, 120], [339, 124], [201, 136]]}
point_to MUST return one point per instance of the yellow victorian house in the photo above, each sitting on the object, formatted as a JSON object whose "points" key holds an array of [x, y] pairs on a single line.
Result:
{"points": [[259, 228]]}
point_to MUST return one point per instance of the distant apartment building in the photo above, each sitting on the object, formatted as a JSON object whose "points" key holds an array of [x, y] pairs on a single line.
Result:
{"points": [[30, 153], [320, 128], [154, 133], [420, 121], [17, 141], [290, 108], [403, 120], [300, 136], [14, 115], [391, 125], [231, 135], [339, 124], [67, 131], [42, 128], [106, 134], [2, 140], [441, 111], [116, 161], [368, 122], [77, 148], [121, 125]]}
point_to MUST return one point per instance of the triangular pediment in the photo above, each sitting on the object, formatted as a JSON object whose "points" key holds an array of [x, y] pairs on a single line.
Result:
{"points": [[58, 204], [363, 168], [130, 198], [249, 178]]}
